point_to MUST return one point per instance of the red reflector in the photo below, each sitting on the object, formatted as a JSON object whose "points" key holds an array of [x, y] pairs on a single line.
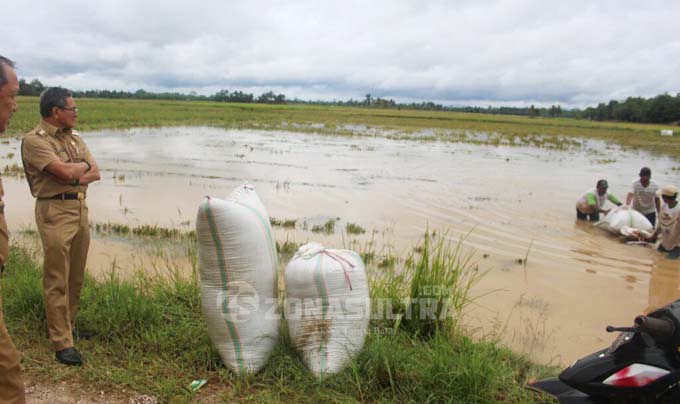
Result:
{"points": [[636, 375]]}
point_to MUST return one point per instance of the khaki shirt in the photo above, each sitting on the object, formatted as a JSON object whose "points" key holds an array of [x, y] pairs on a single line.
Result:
{"points": [[44, 145], [669, 226]]}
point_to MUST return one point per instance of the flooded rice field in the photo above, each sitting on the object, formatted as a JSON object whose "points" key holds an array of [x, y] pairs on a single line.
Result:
{"points": [[552, 285]]}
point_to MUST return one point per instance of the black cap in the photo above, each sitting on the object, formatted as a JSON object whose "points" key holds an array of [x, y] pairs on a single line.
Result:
{"points": [[602, 183], [645, 172]]}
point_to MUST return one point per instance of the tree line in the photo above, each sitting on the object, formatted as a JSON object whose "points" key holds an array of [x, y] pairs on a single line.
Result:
{"points": [[660, 109], [35, 87]]}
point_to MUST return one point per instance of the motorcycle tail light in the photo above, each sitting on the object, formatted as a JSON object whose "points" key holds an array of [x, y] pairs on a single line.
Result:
{"points": [[636, 375]]}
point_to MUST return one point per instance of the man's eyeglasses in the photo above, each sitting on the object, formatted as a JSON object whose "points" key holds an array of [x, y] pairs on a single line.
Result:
{"points": [[74, 109]]}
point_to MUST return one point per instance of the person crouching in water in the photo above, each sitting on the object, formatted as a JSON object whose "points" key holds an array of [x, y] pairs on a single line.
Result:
{"points": [[668, 227], [589, 206]]}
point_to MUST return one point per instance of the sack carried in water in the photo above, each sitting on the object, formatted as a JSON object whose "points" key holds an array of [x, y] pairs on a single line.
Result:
{"points": [[327, 306], [626, 219], [239, 287]]}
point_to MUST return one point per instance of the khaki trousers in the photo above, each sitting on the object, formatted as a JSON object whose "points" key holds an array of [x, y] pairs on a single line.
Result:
{"points": [[11, 382], [65, 235]]}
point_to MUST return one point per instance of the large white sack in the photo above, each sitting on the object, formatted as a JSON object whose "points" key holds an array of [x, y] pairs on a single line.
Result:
{"points": [[624, 218], [239, 288], [327, 306]]}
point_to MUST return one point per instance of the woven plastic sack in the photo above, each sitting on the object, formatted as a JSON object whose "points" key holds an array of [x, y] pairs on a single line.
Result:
{"points": [[623, 218], [327, 306], [238, 264]]}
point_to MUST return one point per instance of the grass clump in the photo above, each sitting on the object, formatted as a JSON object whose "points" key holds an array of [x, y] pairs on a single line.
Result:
{"points": [[287, 248], [326, 228], [441, 280], [151, 337], [13, 170], [433, 287], [112, 228], [155, 231], [353, 228], [387, 262], [367, 256], [285, 223], [151, 231]]}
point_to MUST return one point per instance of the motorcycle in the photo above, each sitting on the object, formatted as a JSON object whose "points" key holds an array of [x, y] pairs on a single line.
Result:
{"points": [[642, 365]]}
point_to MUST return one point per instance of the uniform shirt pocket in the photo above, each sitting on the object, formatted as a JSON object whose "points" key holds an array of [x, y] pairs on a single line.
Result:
{"points": [[63, 156]]}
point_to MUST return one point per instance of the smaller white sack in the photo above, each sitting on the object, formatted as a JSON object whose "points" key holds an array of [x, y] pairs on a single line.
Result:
{"points": [[622, 217], [327, 306]]}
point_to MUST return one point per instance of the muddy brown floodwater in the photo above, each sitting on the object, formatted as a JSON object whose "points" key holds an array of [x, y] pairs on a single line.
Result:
{"points": [[507, 202]]}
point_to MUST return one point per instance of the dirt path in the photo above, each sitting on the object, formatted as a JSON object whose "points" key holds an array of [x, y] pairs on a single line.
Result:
{"points": [[38, 392]]}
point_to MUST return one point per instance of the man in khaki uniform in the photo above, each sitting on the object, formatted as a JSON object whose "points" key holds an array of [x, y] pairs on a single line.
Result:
{"points": [[11, 382], [59, 166]]}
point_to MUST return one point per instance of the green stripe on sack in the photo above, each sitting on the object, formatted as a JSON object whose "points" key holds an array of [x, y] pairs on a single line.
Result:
{"points": [[225, 280], [630, 217], [272, 245], [321, 288]]}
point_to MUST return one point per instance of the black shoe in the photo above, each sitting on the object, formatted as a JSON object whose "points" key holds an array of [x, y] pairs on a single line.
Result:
{"points": [[81, 333], [69, 356]]}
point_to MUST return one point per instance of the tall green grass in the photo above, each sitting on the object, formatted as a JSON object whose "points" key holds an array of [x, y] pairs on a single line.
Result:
{"points": [[151, 337], [441, 279]]}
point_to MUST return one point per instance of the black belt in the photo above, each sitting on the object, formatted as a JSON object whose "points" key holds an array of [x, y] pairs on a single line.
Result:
{"points": [[67, 196]]}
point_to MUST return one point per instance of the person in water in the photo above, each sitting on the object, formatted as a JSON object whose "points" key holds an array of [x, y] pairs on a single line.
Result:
{"points": [[643, 195], [668, 228], [590, 205]]}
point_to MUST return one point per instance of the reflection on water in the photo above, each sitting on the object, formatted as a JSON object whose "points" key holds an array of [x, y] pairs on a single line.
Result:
{"points": [[557, 282]]}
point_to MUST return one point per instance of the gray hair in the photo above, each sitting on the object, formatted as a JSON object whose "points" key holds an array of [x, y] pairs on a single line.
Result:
{"points": [[4, 62], [53, 97]]}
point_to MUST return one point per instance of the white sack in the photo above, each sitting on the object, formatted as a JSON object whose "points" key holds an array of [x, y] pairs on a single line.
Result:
{"points": [[622, 217], [237, 263], [327, 306]]}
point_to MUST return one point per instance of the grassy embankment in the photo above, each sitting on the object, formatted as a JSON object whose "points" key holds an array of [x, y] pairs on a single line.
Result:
{"points": [[423, 125], [152, 338]]}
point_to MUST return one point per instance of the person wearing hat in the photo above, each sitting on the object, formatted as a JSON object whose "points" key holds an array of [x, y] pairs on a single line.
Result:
{"points": [[668, 227], [589, 205], [643, 195]]}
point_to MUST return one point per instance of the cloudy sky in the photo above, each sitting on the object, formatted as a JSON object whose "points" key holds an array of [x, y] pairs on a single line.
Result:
{"points": [[519, 52]]}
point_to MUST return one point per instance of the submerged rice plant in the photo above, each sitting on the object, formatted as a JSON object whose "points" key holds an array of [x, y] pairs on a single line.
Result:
{"points": [[326, 228], [353, 228], [285, 223], [146, 230]]}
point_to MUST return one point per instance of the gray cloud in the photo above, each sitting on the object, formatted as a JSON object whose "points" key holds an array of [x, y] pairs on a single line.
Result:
{"points": [[489, 52]]}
